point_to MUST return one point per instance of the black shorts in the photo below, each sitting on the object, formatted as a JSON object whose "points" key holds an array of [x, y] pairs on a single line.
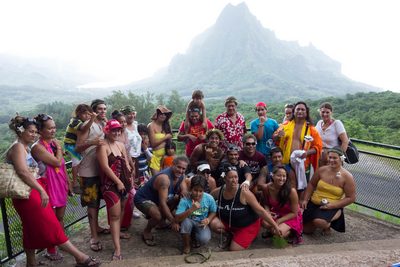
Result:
{"points": [[314, 212]]}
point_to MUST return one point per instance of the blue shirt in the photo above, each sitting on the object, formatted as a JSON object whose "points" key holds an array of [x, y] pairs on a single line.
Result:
{"points": [[207, 205], [266, 143]]}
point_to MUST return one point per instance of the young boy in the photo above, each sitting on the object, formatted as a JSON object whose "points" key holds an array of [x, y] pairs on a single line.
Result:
{"points": [[144, 157], [83, 113], [196, 102], [195, 214], [170, 151]]}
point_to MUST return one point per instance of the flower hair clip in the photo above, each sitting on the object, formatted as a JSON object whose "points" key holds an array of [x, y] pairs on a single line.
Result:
{"points": [[21, 129], [342, 157]]}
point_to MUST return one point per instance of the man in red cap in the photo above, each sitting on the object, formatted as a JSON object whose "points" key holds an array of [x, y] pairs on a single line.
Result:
{"points": [[263, 128]]}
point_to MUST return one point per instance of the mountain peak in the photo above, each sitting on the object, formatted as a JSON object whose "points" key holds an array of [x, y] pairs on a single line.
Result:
{"points": [[238, 54], [234, 15]]}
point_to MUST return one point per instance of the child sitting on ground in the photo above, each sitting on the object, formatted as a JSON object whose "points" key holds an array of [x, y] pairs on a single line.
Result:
{"points": [[195, 214], [196, 102], [168, 158], [83, 113]]}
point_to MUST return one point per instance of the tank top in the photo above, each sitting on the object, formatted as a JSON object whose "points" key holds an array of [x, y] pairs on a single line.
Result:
{"points": [[147, 192], [88, 166], [135, 142], [233, 212]]}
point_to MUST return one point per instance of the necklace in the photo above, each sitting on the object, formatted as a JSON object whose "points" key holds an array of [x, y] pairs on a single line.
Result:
{"points": [[230, 212]]}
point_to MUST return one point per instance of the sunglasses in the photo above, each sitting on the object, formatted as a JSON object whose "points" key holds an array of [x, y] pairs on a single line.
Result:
{"points": [[30, 120], [206, 172], [231, 168], [45, 117], [250, 143]]}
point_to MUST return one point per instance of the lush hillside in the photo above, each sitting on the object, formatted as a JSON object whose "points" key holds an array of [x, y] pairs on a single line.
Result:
{"points": [[237, 54], [367, 116]]}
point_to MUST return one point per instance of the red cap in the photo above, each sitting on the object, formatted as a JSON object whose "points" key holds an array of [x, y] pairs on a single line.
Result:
{"points": [[111, 124], [261, 104]]}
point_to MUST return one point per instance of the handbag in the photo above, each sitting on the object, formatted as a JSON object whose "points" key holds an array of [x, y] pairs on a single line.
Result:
{"points": [[352, 154], [11, 185]]}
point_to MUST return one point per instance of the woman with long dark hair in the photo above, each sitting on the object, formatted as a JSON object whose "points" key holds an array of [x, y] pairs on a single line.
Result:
{"points": [[159, 134], [281, 200]]}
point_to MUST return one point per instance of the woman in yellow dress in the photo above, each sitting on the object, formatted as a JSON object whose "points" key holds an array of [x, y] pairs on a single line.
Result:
{"points": [[331, 188], [159, 134]]}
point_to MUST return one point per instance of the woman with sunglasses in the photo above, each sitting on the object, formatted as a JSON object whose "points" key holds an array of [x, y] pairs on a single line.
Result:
{"points": [[159, 134], [48, 152], [239, 212], [40, 226]]}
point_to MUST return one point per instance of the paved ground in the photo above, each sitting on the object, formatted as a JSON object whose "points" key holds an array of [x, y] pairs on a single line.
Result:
{"points": [[367, 242]]}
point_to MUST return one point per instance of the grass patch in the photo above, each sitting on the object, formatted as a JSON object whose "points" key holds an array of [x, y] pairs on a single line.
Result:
{"points": [[379, 150], [373, 213]]}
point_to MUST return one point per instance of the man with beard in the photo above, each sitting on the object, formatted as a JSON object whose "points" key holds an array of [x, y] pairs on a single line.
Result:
{"points": [[160, 195], [301, 144], [243, 170], [87, 143]]}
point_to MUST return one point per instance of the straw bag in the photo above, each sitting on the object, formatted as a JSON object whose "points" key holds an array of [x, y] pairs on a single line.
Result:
{"points": [[11, 185]]}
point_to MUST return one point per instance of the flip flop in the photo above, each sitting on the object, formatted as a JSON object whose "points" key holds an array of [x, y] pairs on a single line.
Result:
{"points": [[150, 242], [124, 235], [54, 257], [89, 262], [104, 231], [96, 246]]}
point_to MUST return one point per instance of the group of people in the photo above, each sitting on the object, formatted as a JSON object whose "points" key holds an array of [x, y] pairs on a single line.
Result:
{"points": [[287, 178]]}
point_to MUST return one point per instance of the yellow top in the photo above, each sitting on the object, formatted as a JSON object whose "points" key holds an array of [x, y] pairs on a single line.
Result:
{"points": [[159, 135], [324, 190]]}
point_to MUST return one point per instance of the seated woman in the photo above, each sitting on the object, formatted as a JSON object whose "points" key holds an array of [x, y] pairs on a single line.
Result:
{"points": [[239, 212], [116, 180], [331, 188], [281, 200], [49, 155], [332, 132], [195, 214], [40, 227]]}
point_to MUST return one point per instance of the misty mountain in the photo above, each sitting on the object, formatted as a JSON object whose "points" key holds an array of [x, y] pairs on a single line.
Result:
{"points": [[42, 73], [237, 55]]}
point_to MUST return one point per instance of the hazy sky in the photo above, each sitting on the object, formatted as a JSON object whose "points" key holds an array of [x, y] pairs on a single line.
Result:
{"points": [[129, 40]]}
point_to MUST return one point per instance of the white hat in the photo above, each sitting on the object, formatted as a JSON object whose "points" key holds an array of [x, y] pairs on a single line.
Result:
{"points": [[203, 167]]}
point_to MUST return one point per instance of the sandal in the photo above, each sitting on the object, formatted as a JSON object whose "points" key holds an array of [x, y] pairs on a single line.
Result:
{"points": [[103, 231], [124, 235], [115, 257], [89, 262], [95, 246], [54, 257], [149, 241]]}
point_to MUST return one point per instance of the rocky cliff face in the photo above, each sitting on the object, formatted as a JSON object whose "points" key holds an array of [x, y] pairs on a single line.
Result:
{"points": [[238, 54]]}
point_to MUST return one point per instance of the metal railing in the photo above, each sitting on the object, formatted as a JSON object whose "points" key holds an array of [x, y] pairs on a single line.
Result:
{"points": [[377, 178]]}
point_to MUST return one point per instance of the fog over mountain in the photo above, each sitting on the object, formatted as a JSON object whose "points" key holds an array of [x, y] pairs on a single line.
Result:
{"points": [[237, 55]]}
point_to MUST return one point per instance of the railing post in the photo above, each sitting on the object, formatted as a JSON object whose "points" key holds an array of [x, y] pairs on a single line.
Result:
{"points": [[6, 228]]}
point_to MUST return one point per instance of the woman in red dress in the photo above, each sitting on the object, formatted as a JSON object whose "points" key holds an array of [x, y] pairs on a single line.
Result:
{"points": [[40, 226]]}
